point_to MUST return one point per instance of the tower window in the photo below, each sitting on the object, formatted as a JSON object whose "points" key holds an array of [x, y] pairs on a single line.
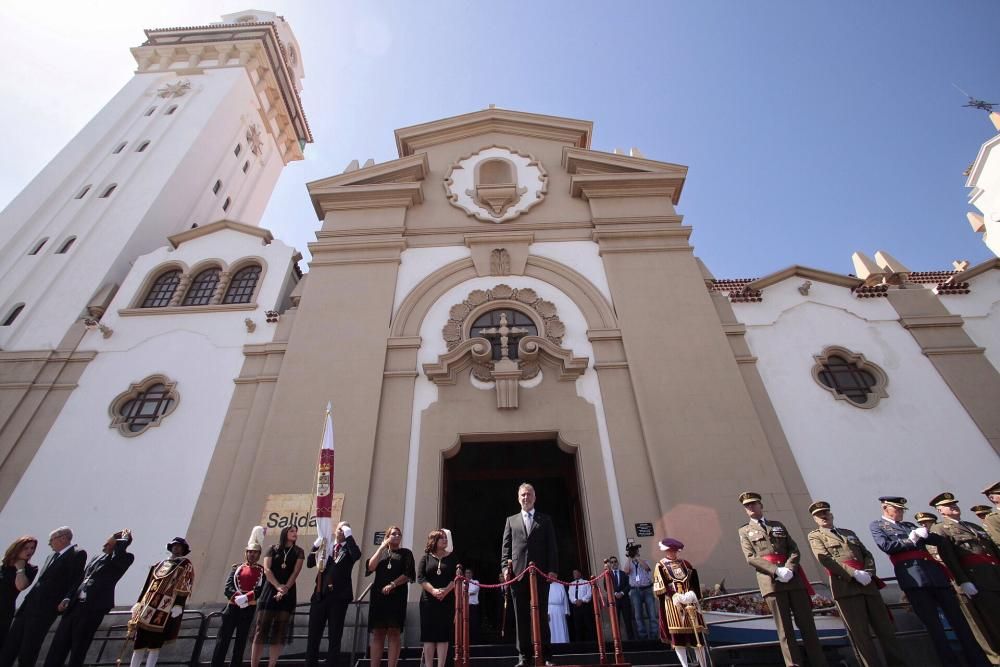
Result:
{"points": [[246, 166], [107, 192], [202, 288], [9, 320], [143, 146], [149, 111], [162, 290], [119, 148], [216, 187], [83, 192], [238, 150], [67, 244], [38, 246], [243, 284], [170, 110], [225, 204]]}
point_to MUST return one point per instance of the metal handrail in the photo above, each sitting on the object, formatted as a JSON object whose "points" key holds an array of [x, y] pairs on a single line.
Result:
{"points": [[358, 601]]}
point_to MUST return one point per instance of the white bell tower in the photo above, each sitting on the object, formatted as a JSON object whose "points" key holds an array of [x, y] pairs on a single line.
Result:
{"points": [[199, 134]]}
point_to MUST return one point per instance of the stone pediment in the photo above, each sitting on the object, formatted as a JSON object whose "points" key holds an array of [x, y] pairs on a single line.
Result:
{"points": [[393, 183], [596, 174]]}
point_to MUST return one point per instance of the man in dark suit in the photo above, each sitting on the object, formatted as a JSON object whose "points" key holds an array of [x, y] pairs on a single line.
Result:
{"points": [[333, 594], [623, 604], [51, 594], [529, 537], [93, 598]]}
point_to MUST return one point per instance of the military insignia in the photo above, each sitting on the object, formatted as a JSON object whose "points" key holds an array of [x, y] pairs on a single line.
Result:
{"points": [[753, 534]]}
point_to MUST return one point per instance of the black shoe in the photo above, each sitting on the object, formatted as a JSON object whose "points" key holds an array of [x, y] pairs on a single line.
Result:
{"points": [[522, 663], [549, 663]]}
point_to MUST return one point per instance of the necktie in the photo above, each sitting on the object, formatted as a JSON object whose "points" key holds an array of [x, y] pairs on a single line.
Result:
{"points": [[763, 523], [527, 522], [336, 551]]}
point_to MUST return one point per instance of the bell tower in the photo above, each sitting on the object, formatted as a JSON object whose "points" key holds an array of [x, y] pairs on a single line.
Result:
{"points": [[200, 133]]}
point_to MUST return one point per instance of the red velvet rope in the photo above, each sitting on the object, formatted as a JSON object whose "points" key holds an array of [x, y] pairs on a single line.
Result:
{"points": [[544, 575]]}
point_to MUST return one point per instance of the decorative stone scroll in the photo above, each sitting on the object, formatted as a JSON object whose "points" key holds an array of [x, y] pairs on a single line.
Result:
{"points": [[496, 183]]}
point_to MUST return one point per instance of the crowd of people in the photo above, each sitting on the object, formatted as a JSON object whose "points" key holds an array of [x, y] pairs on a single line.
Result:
{"points": [[946, 568]]}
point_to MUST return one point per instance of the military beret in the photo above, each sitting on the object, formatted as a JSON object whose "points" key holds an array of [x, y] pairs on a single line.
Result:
{"points": [[980, 510], [992, 488], [819, 506], [925, 516], [670, 543], [748, 497], [945, 498], [895, 501]]}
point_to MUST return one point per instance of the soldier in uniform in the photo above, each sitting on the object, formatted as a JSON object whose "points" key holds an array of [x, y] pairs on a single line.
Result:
{"points": [[923, 580], [156, 617], [981, 511], [855, 589], [772, 552], [975, 563], [991, 522], [243, 586]]}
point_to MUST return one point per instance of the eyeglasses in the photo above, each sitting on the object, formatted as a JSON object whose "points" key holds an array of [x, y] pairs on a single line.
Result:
{"points": [[613, 560]]}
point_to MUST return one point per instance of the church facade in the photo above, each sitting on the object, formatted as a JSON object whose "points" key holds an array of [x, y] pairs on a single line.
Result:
{"points": [[501, 303]]}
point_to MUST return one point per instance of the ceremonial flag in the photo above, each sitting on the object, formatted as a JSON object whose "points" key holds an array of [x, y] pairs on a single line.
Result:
{"points": [[324, 486]]}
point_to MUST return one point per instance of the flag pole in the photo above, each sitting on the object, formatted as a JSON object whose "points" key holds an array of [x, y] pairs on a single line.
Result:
{"points": [[324, 488]]}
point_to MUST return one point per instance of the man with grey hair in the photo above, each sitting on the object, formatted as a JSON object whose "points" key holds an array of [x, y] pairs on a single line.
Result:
{"points": [[50, 596]]}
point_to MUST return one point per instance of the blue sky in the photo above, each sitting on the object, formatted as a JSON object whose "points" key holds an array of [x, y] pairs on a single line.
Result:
{"points": [[811, 129]]}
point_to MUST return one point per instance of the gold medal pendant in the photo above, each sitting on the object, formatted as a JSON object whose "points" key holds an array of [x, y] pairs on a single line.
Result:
{"points": [[388, 565]]}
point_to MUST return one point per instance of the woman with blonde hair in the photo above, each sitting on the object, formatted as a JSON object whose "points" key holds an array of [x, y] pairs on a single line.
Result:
{"points": [[393, 568], [16, 574]]}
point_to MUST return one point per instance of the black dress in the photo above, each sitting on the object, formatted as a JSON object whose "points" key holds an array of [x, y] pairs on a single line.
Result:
{"points": [[9, 593], [437, 617], [275, 618], [389, 611]]}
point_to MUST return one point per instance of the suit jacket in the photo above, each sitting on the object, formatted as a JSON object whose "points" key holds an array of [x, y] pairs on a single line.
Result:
{"points": [[832, 550], [538, 547], [622, 585], [758, 544], [893, 538], [969, 541], [57, 581], [335, 580], [101, 576]]}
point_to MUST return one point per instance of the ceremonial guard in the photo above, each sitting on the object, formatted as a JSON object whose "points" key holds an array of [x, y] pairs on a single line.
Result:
{"points": [[855, 589], [975, 564], [156, 617], [772, 552], [991, 522], [676, 586], [243, 587], [333, 594], [923, 580]]}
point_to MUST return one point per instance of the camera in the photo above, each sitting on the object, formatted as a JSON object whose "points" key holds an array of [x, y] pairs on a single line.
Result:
{"points": [[632, 549]]}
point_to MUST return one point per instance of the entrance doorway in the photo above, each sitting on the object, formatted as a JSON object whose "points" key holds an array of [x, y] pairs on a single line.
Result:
{"points": [[480, 492]]}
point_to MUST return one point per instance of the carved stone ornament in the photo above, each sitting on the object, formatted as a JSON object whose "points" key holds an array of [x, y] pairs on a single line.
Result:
{"points": [[496, 184], [255, 139], [499, 262], [174, 88]]}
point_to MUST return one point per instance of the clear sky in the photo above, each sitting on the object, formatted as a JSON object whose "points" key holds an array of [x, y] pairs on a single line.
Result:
{"points": [[811, 129]]}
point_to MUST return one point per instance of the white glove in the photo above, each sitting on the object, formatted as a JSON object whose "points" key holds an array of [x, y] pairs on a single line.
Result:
{"points": [[678, 599], [318, 543], [346, 530], [914, 536], [176, 611], [690, 598], [242, 601], [969, 589], [135, 608], [784, 575], [922, 532], [862, 577]]}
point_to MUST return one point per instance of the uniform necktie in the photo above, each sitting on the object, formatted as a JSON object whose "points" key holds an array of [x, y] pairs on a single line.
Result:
{"points": [[763, 523], [336, 551]]}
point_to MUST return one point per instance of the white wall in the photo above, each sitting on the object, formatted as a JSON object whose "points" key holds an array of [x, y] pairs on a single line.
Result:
{"points": [[916, 443]]}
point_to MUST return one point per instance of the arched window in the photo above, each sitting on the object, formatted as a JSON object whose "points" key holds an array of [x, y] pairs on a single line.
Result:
{"points": [[496, 172], [143, 405], [162, 290], [243, 284], [143, 146], [83, 192], [238, 150], [850, 377], [149, 111], [202, 288], [9, 320], [216, 187], [170, 110], [107, 191], [119, 148], [225, 204], [67, 244], [488, 325], [38, 246]]}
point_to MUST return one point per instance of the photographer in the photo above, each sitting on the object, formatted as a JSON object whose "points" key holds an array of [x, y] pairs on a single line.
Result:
{"points": [[640, 579]]}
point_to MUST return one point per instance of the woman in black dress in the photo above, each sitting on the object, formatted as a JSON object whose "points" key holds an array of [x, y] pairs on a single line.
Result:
{"points": [[436, 575], [16, 574], [393, 568], [275, 619]]}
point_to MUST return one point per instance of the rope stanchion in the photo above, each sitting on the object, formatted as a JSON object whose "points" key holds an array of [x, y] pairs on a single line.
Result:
{"points": [[459, 620], [598, 621], [616, 636], [536, 626]]}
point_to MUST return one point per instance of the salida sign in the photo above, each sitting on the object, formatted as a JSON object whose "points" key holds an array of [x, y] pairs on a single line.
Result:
{"points": [[296, 509]]}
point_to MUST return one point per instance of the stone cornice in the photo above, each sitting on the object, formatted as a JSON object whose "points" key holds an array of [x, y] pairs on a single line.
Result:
{"points": [[634, 184], [204, 230], [805, 272], [554, 128], [583, 162], [255, 47], [333, 192], [349, 197], [179, 310]]}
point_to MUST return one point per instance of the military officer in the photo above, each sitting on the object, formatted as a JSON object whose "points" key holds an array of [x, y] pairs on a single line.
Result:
{"points": [[981, 511], [991, 522], [975, 563], [772, 552], [923, 580], [855, 589]]}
